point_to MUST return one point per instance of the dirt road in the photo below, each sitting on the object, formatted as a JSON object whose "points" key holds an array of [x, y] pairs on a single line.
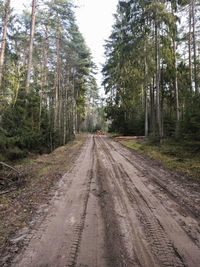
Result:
{"points": [[117, 208]]}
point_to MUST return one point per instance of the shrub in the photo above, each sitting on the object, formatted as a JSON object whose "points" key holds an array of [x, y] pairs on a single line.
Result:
{"points": [[15, 153]]}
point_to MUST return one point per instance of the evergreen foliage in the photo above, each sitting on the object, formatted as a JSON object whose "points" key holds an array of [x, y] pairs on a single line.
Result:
{"points": [[46, 111], [151, 75]]}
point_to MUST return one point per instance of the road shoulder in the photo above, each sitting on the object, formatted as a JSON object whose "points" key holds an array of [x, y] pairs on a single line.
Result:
{"points": [[26, 205]]}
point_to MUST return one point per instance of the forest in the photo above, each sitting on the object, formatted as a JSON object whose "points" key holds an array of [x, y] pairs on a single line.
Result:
{"points": [[151, 75], [48, 90], [46, 78], [97, 180]]}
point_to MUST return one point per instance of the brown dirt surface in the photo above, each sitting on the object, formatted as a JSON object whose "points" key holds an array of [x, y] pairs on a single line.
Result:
{"points": [[19, 203], [115, 207]]}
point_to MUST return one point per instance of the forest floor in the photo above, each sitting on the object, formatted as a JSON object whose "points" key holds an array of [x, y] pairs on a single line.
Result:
{"points": [[113, 207], [33, 188]]}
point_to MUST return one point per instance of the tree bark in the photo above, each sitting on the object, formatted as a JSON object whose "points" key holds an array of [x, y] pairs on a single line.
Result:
{"points": [[73, 107], [3, 42], [45, 53], [145, 95], [18, 85], [43, 96], [176, 85], [157, 61], [57, 78], [60, 113], [175, 79], [194, 47], [67, 87], [146, 113], [31, 45], [152, 117], [190, 44]]}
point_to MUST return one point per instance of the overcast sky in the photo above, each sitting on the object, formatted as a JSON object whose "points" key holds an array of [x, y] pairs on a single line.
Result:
{"points": [[95, 20]]}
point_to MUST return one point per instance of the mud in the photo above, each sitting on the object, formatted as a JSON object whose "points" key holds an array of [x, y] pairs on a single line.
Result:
{"points": [[117, 208]]}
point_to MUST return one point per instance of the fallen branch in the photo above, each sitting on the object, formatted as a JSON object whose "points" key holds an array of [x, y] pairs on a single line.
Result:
{"points": [[5, 192], [14, 169]]}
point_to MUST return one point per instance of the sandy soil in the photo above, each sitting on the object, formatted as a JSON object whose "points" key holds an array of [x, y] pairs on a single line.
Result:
{"points": [[116, 208]]}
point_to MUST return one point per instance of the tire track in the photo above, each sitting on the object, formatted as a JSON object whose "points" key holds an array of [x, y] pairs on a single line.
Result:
{"points": [[182, 194], [157, 177], [56, 242], [124, 217], [182, 242], [103, 215], [71, 262], [117, 252], [160, 244]]}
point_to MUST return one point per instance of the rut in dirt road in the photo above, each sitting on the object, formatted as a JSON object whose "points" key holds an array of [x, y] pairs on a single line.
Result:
{"points": [[114, 209]]}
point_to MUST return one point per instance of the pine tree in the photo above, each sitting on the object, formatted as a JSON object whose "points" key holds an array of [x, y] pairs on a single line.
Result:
{"points": [[3, 42], [32, 32], [45, 87]]}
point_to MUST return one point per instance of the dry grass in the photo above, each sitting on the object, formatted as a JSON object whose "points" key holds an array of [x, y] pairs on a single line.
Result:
{"points": [[174, 156]]}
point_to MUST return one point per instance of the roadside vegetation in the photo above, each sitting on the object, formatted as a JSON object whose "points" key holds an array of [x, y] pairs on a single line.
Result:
{"points": [[151, 78], [46, 78], [27, 186], [151, 75], [175, 156]]}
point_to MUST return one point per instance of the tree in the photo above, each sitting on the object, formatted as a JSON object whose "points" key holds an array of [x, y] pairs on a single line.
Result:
{"points": [[145, 66], [3, 42], [45, 87], [32, 32]]}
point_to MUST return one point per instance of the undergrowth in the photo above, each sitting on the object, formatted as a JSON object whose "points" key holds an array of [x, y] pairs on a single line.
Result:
{"points": [[19, 202], [183, 157]]}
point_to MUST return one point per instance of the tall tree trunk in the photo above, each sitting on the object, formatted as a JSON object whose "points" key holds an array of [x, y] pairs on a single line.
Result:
{"points": [[43, 96], [45, 60], [57, 78], [24, 56], [67, 87], [161, 99], [30, 57], [146, 112], [78, 115], [175, 78], [190, 44], [73, 107], [194, 46], [3, 42], [152, 114], [74, 117], [60, 111], [44, 74], [64, 122], [157, 61], [176, 87], [145, 95]]}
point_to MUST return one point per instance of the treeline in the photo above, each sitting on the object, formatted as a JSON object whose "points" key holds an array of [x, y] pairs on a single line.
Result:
{"points": [[151, 75], [46, 74]]}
